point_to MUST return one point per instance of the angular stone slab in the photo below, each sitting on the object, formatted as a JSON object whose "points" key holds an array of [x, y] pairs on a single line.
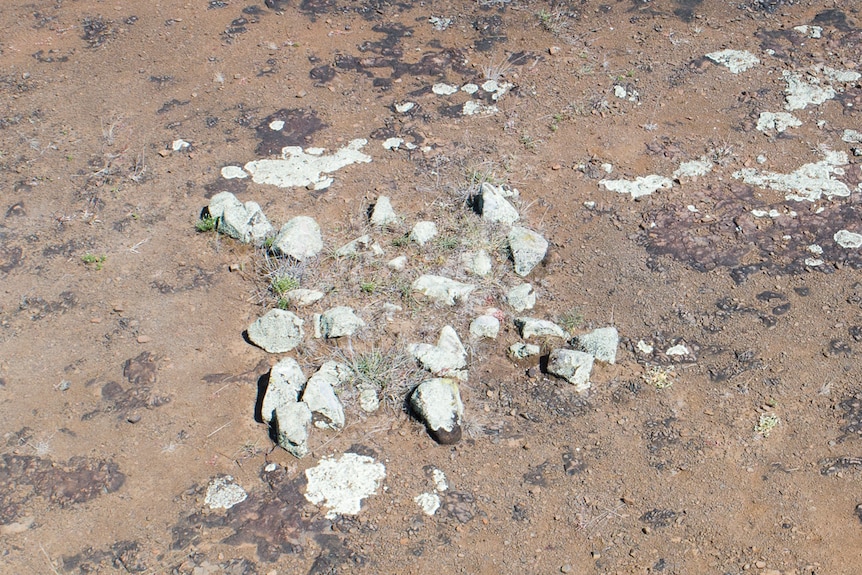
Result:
{"points": [[601, 343], [383, 214], [245, 222], [291, 422], [299, 238], [285, 384], [438, 404], [573, 366], [443, 359], [529, 327], [493, 207], [486, 326], [323, 403], [337, 322], [521, 297], [278, 331], [442, 289], [528, 249]]}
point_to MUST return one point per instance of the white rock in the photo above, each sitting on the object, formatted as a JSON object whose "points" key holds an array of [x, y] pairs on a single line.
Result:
{"points": [[485, 326], [442, 89], [353, 247], [522, 350], [291, 423], [224, 493], [443, 359], [321, 400], [285, 384], [297, 168], [383, 214], [734, 60], [233, 172], [341, 484], [180, 145], [438, 403], [493, 207], [677, 350], [808, 182], [302, 297], [530, 326], [423, 232], [369, 401], [528, 249], [442, 290], [477, 108], [439, 479], [398, 264], [600, 343], [521, 297], [404, 107], [245, 222], [278, 331], [693, 169], [429, 503], [477, 263], [777, 121], [299, 238], [644, 347], [851, 137], [848, 239], [573, 366], [337, 322], [803, 91], [640, 186]]}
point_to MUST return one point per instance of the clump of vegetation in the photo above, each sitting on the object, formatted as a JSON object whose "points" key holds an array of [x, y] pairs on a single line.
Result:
{"points": [[391, 372], [571, 319], [660, 377], [766, 423], [206, 224], [96, 261], [368, 286], [282, 284]]}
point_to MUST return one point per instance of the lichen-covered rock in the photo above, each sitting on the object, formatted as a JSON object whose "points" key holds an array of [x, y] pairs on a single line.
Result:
{"points": [[573, 366], [278, 331], [442, 290], [245, 222], [529, 327], [521, 297], [285, 384], [445, 358], [423, 232], [437, 402], [477, 263], [383, 214], [528, 249], [522, 350], [493, 207], [601, 343], [291, 423], [486, 326], [299, 238], [337, 322], [324, 404]]}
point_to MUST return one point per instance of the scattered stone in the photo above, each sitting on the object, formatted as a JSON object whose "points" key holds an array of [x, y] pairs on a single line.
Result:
{"points": [[521, 297], [341, 484], [693, 169], [319, 395], [529, 327], [233, 172], [398, 264], [383, 214], [337, 322], [777, 122], [438, 403], [734, 60], [677, 350], [291, 423], [444, 359], [180, 145], [245, 222], [302, 297], [848, 239], [477, 263], [223, 493], [442, 89], [641, 186], [423, 232], [369, 401], [600, 343], [286, 381], [522, 350], [573, 366], [429, 503], [808, 182], [442, 290], [299, 238], [803, 91], [353, 247], [528, 249], [278, 331], [493, 207], [852, 137], [485, 326], [644, 347]]}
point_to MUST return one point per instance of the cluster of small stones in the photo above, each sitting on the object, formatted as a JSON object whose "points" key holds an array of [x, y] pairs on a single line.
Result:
{"points": [[294, 403]]}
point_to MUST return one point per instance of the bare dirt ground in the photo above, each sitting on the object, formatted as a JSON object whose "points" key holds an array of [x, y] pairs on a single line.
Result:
{"points": [[126, 385]]}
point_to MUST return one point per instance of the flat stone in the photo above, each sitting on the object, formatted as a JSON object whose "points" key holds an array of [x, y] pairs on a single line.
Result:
{"points": [[522, 350], [438, 404], [477, 263], [493, 207], [573, 366], [340, 485], [398, 264], [285, 384], [423, 232], [326, 408], [245, 222], [223, 493], [291, 423], [337, 322], [521, 297], [383, 214], [302, 297], [369, 401], [442, 290], [486, 326], [278, 331], [353, 247], [529, 327], [299, 238], [601, 343], [443, 359], [528, 249]]}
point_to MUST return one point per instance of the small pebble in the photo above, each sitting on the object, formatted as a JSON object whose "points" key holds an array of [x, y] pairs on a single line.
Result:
{"points": [[760, 564], [144, 339], [134, 418], [554, 50], [566, 568]]}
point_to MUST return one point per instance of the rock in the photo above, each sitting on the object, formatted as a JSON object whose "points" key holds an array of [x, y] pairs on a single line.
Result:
{"points": [[521, 297], [244, 222], [302, 297], [443, 359], [523, 350], [398, 264], [485, 326], [299, 238], [477, 263], [437, 402], [442, 290], [224, 493], [291, 423], [285, 384], [341, 484], [337, 322], [353, 247], [423, 232], [320, 397], [369, 402], [276, 332], [493, 207], [530, 326], [600, 343], [383, 214], [573, 366], [528, 249]]}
